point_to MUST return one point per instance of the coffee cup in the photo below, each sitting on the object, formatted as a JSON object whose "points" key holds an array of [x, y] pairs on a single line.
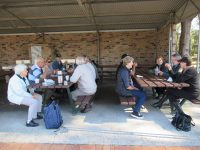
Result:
{"points": [[65, 83], [37, 81], [67, 78]]}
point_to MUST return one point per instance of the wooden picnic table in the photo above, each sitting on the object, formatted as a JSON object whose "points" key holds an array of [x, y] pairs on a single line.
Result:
{"points": [[145, 79], [107, 71], [58, 86]]}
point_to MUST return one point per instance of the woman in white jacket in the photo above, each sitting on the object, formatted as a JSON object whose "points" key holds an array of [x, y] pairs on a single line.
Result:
{"points": [[18, 93]]}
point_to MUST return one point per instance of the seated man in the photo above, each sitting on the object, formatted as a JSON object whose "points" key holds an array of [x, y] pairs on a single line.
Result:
{"points": [[91, 66], [125, 86], [189, 75], [57, 64], [19, 94], [36, 71], [85, 78]]}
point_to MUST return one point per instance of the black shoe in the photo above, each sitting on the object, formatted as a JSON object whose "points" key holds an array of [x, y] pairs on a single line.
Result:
{"points": [[86, 109], [136, 115], [156, 105], [39, 116], [32, 124]]}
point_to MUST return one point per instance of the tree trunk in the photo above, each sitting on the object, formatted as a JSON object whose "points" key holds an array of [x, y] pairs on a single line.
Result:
{"points": [[184, 45]]}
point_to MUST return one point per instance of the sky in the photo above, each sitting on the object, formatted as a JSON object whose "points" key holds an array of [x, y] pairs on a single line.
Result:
{"points": [[195, 23]]}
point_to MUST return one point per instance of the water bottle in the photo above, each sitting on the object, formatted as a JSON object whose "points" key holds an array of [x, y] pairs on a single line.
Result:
{"points": [[156, 70], [60, 77]]}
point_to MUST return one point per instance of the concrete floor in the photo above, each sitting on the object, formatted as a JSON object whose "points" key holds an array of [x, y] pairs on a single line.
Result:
{"points": [[108, 123]]}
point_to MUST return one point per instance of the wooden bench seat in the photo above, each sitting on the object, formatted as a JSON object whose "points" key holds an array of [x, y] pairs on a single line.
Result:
{"points": [[196, 101], [127, 100], [83, 100], [178, 106]]}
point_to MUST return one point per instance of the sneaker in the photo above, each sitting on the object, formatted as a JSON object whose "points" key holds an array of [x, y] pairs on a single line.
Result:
{"points": [[136, 115], [32, 124]]}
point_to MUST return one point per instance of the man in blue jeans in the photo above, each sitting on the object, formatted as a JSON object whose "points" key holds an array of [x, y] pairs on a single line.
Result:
{"points": [[125, 86]]}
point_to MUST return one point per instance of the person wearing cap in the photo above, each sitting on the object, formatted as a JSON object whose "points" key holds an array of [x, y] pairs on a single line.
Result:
{"points": [[173, 70], [188, 75], [57, 64], [126, 87]]}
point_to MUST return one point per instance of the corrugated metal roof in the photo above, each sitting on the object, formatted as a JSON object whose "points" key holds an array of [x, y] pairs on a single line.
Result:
{"points": [[18, 16]]}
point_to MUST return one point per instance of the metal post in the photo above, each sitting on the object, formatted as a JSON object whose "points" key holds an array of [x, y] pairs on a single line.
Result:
{"points": [[170, 43], [170, 37], [98, 48], [198, 52]]}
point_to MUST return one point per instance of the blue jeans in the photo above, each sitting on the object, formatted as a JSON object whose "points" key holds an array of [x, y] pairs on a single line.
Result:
{"points": [[140, 98]]}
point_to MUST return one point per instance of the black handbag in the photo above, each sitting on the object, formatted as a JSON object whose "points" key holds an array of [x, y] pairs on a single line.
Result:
{"points": [[182, 121]]}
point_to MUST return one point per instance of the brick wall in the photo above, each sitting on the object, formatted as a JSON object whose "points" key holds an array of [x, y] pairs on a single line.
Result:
{"points": [[142, 45]]}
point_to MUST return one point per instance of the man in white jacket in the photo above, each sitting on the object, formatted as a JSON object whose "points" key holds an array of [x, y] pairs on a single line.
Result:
{"points": [[19, 94], [85, 76]]}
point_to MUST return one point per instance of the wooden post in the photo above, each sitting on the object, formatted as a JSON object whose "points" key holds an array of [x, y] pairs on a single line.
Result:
{"points": [[198, 53]]}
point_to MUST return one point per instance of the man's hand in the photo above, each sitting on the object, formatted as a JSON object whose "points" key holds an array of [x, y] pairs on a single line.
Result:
{"points": [[43, 76], [168, 66], [132, 88], [34, 96]]}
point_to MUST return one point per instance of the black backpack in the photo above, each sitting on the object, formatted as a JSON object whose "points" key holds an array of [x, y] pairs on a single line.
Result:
{"points": [[182, 121]]}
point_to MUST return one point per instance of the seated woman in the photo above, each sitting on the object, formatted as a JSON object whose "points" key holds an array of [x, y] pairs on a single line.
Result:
{"points": [[125, 86], [189, 75], [162, 71], [173, 70], [18, 93]]}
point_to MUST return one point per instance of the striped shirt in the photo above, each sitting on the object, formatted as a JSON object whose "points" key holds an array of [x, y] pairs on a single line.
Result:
{"points": [[34, 73]]}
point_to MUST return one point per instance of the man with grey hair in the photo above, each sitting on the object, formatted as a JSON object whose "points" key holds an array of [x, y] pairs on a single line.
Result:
{"points": [[19, 94], [126, 87], [36, 71], [85, 78]]}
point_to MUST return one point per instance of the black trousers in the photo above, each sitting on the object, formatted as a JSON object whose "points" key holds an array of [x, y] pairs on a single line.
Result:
{"points": [[173, 94], [160, 90]]}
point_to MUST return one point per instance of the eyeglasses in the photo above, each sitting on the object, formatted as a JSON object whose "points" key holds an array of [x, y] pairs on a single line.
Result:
{"points": [[48, 61]]}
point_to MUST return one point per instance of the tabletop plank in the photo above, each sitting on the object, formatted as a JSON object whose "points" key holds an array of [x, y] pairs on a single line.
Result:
{"points": [[150, 80]]}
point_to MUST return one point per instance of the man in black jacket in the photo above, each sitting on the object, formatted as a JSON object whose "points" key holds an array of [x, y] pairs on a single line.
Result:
{"points": [[189, 75]]}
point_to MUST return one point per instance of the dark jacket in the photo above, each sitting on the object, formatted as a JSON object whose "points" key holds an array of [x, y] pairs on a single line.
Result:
{"points": [[173, 73], [56, 65], [191, 77], [163, 69], [124, 80]]}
